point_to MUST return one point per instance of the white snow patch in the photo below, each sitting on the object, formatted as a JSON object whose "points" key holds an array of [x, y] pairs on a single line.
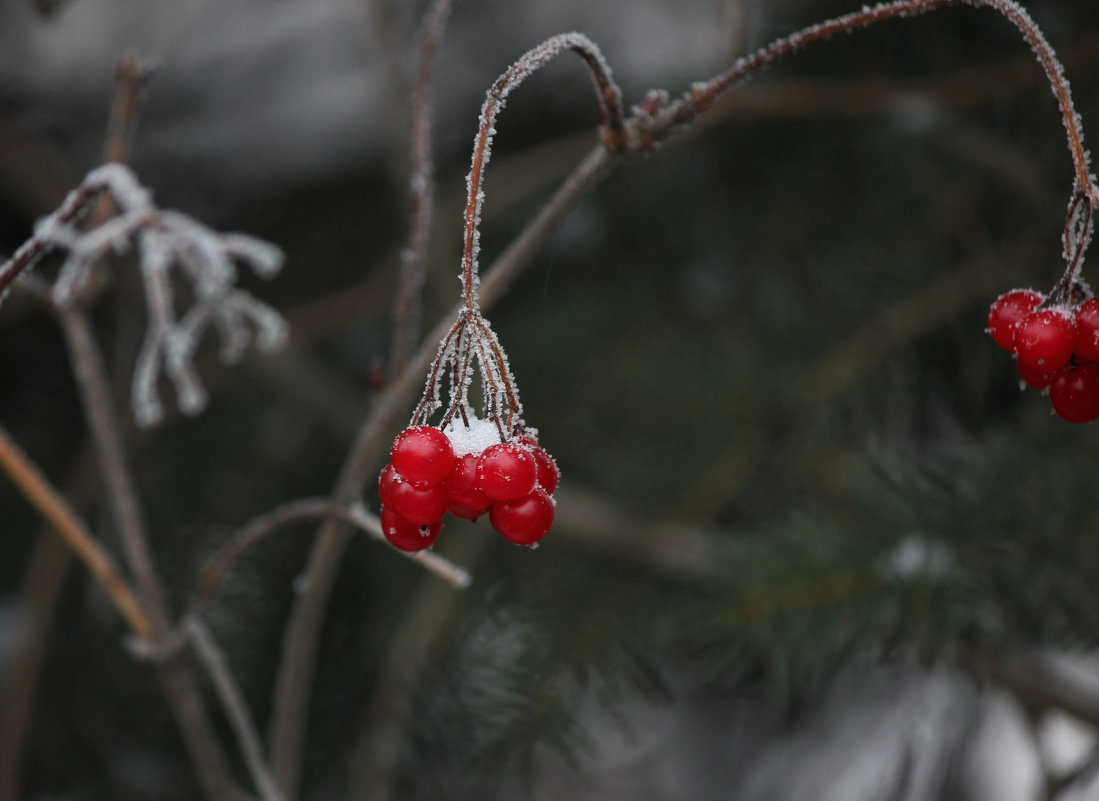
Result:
{"points": [[479, 435]]}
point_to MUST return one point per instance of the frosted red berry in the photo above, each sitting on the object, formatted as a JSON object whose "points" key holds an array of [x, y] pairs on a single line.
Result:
{"points": [[406, 535], [546, 474], [422, 455], [1036, 378], [523, 520], [1045, 339], [1074, 392], [419, 505], [1008, 311], [462, 489], [1087, 329], [386, 481], [505, 471]]}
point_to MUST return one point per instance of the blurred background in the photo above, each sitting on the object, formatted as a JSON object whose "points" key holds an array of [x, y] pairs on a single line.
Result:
{"points": [[812, 540]]}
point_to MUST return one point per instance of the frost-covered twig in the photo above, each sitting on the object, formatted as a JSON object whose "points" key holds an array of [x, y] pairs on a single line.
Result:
{"points": [[167, 244], [307, 509], [406, 304], [610, 118], [703, 94]]}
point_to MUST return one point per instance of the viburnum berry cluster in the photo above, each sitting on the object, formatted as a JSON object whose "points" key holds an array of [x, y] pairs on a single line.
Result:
{"points": [[1055, 338], [467, 471]]}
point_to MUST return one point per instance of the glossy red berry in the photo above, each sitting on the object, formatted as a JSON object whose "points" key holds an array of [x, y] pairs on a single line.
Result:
{"points": [[1034, 378], [1008, 311], [1045, 339], [466, 512], [1087, 329], [462, 489], [406, 535], [546, 474], [423, 455], [506, 471], [386, 481], [1074, 392], [524, 520], [420, 505]]}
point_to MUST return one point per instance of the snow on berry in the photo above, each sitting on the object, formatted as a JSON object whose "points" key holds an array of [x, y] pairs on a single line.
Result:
{"points": [[471, 435], [462, 490]]}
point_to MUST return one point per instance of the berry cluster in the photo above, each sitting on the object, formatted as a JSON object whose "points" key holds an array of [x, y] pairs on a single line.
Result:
{"points": [[465, 470], [1056, 348]]}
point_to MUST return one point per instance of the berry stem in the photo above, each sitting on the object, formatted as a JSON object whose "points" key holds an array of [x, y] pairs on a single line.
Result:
{"points": [[611, 120], [702, 95]]}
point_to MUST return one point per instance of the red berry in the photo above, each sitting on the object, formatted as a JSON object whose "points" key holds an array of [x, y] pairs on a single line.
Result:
{"points": [[423, 455], [386, 481], [1045, 339], [1008, 311], [505, 471], [525, 520], [1033, 377], [1087, 329], [420, 505], [1074, 392], [546, 474], [408, 536], [466, 512], [461, 486]]}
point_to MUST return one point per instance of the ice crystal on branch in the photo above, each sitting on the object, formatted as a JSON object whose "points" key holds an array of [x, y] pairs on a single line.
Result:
{"points": [[169, 246]]}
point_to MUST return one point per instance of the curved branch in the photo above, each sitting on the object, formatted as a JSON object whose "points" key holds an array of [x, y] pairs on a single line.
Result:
{"points": [[610, 118]]}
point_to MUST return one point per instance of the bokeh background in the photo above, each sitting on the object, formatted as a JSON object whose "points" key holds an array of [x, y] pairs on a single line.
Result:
{"points": [[812, 540]]}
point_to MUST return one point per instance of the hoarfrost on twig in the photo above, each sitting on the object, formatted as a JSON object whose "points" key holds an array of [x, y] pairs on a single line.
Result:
{"points": [[169, 246]]}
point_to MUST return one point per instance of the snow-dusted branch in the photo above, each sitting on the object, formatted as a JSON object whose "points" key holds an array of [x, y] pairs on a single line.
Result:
{"points": [[169, 246]]}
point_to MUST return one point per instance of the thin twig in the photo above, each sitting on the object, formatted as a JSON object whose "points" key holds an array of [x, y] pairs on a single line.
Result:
{"points": [[702, 95], [407, 307], [179, 683], [610, 118], [307, 509], [232, 701], [52, 506]]}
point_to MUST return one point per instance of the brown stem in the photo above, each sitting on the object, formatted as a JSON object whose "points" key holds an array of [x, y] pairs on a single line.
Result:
{"points": [[610, 117], [305, 509], [178, 681], [406, 305], [74, 205], [179, 684], [236, 709], [52, 506], [702, 95]]}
